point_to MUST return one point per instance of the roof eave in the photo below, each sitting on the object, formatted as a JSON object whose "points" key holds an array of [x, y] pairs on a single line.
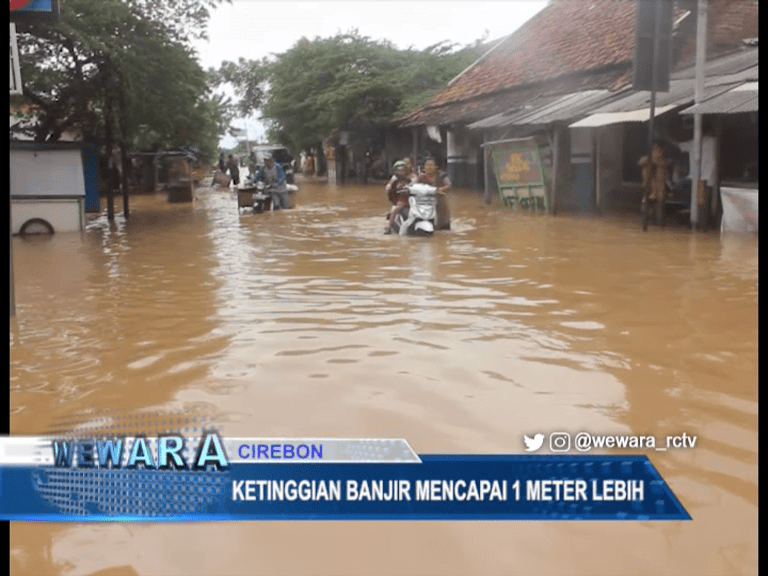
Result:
{"points": [[405, 122]]}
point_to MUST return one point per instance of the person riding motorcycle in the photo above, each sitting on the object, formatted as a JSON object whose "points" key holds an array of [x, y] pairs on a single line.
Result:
{"points": [[399, 180], [273, 176]]}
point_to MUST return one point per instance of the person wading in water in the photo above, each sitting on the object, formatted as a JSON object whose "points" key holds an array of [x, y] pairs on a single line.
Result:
{"points": [[440, 180]]}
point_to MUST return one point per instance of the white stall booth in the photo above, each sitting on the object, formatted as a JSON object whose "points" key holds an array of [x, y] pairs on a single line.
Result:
{"points": [[47, 191]]}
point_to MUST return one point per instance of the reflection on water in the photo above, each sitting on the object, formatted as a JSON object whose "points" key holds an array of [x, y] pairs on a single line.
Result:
{"points": [[311, 322]]}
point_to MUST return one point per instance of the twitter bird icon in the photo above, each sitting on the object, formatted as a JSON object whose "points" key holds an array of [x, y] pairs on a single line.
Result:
{"points": [[533, 444]]}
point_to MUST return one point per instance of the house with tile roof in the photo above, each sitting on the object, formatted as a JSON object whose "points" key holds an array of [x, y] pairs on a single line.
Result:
{"points": [[567, 60]]}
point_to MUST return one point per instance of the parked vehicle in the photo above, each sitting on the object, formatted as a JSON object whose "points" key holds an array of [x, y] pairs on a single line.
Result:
{"points": [[419, 217]]}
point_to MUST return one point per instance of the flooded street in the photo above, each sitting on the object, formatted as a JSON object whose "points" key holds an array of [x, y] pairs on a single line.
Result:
{"points": [[312, 323]]}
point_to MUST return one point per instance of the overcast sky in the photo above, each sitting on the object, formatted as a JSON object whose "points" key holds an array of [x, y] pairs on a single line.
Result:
{"points": [[255, 28]]}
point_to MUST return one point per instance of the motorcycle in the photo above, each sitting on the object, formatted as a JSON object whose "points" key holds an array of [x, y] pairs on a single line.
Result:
{"points": [[257, 195], [420, 216]]}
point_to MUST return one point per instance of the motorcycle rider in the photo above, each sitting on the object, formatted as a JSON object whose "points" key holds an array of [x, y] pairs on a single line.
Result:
{"points": [[399, 180], [274, 177]]}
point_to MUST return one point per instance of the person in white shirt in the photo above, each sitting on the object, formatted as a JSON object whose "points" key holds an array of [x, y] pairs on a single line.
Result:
{"points": [[708, 160], [708, 169]]}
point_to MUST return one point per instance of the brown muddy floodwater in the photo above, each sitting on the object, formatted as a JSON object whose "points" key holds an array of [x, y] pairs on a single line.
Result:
{"points": [[312, 323]]}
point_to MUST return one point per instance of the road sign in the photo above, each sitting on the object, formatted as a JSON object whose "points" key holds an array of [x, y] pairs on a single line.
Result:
{"points": [[652, 15]]}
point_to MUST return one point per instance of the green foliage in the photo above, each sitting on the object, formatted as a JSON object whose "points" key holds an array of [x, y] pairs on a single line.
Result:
{"points": [[122, 69], [430, 70], [347, 80], [248, 78]]}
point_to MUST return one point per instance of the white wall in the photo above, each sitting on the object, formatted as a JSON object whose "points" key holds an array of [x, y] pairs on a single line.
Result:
{"points": [[56, 174], [47, 173], [65, 215]]}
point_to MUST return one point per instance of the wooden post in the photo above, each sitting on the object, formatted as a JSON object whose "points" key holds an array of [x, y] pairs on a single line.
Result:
{"points": [[718, 154], [122, 121], [124, 161], [487, 187], [108, 129], [596, 164], [415, 150], [555, 167]]}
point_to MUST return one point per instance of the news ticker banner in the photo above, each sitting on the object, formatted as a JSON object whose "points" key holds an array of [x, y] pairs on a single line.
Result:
{"points": [[209, 478]]}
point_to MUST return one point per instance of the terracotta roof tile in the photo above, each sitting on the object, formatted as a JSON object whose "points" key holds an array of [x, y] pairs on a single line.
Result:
{"points": [[728, 23], [566, 36], [571, 36]]}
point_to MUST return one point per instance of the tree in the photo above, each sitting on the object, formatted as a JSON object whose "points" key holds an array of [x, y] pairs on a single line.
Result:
{"points": [[346, 80], [249, 78], [124, 68]]}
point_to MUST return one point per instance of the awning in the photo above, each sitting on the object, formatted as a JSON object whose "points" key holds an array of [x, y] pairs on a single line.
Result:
{"points": [[606, 118], [743, 98], [547, 109], [634, 106]]}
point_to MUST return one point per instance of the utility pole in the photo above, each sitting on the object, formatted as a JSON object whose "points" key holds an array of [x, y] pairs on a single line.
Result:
{"points": [[654, 79], [15, 88], [13, 293], [247, 143], [654, 87], [701, 60], [651, 72]]}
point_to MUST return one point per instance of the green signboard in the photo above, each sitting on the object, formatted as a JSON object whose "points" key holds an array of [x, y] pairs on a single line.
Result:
{"points": [[519, 173]]}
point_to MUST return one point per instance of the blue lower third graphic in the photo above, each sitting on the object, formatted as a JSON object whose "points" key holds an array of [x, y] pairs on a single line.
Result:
{"points": [[441, 487]]}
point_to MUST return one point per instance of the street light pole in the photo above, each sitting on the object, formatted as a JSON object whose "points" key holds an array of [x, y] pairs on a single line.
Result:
{"points": [[701, 60], [654, 74], [13, 292], [247, 143], [654, 87], [15, 88]]}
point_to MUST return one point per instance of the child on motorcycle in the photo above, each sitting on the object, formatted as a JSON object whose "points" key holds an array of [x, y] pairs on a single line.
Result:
{"points": [[399, 180]]}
